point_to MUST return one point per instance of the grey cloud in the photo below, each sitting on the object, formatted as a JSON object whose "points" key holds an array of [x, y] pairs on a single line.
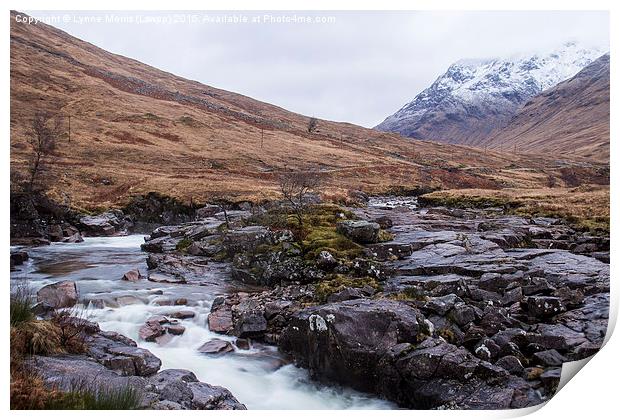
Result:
{"points": [[359, 69]]}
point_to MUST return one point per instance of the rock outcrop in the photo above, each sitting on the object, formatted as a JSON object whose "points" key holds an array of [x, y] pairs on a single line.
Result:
{"points": [[113, 362]]}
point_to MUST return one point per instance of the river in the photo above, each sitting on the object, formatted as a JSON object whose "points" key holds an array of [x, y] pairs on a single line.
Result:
{"points": [[256, 377]]}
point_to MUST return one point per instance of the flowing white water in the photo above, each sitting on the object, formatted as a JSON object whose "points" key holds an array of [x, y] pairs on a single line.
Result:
{"points": [[257, 377]]}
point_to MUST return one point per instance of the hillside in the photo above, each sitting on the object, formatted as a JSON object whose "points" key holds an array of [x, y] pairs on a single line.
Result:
{"points": [[571, 118], [134, 129], [475, 98]]}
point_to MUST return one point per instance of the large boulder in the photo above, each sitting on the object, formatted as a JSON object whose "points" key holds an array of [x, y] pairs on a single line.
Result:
{"points": [[63, 294], [345, 341], [360, 231], [385, 347]]}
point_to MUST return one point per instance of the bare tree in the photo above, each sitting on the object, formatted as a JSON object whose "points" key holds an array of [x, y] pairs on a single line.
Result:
{"points": [[44, 135], [296, 188], [312, 124]]}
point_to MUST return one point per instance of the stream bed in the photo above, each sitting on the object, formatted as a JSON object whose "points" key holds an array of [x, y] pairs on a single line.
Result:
{"points": [[260, 378]]}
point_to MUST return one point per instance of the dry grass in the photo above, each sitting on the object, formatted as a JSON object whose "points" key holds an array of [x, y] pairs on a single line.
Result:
{"points": [[191, 141], [586, 206]]}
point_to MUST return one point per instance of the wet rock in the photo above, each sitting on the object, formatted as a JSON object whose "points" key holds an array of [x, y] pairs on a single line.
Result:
{"points": [[487, 349], [242, 343], [209, 397], [161, 244], [216, 346], [549, 358], [151, 329], [183, 314], [359, 231], [543, 306], [63, 294], [220, 320], [145, 363], [175, 329], [128, 300], [180, 389], [512, 296], [345, 341], [132, 275], [250, 324], [164, 278], [18, 257], [74, 238]]}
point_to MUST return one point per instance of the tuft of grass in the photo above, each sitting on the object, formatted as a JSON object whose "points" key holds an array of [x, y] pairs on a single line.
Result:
{"points": [[21, 305], [104, 398], [29, 392], [36, 337]]}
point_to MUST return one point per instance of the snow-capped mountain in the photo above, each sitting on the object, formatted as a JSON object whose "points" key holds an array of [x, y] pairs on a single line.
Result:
{"points": [[475, 97]]}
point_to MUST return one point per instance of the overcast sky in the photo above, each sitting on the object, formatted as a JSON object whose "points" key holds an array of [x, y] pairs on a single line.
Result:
{"points": [[360, 68]]}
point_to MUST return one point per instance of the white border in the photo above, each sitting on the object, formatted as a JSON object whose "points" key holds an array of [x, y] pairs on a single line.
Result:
{"points": [[592, 395]]}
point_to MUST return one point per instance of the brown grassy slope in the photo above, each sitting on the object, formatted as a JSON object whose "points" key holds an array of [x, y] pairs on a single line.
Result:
{"points": [[571, 118], [134, 129]]}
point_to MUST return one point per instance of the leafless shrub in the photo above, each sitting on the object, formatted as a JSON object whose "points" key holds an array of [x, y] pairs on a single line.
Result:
{"points": [[43, 138], [297, 188], [73, 328]]}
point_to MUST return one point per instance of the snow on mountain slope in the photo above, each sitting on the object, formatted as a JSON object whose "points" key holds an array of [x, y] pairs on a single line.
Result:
{"points": [[569, 119], [475, 97]]}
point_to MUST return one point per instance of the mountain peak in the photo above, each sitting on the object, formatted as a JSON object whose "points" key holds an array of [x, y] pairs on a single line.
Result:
{"points": [[475, 96]]}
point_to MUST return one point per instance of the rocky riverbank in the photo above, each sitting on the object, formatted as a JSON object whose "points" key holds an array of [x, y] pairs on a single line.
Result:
{"points": [[460, 308], [427, 307], [38, 220]]}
